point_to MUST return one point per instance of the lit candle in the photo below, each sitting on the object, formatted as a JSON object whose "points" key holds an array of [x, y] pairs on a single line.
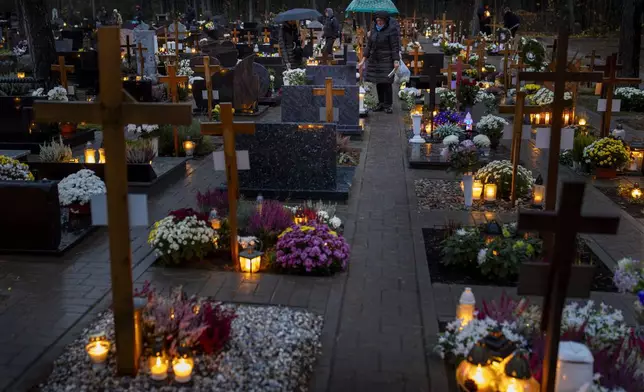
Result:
{"points": [[477, 190], [547, 118], [101, 155], [159, 369], [537, 118], [490, 192], [532, 119], [182, 369], [566, 118], [98, 351], [582, 122]]}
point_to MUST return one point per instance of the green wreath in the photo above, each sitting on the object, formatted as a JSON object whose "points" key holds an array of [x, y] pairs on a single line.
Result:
{"points": [[533, 53], [503, 35]]}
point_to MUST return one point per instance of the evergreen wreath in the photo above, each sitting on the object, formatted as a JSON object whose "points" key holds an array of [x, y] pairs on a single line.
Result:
{"points": [[533, 53], [503, 35]]}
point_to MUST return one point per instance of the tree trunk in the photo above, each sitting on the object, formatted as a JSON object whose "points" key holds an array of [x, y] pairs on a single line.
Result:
{"points": [[39, 35], [630, 38], [475, 28]]}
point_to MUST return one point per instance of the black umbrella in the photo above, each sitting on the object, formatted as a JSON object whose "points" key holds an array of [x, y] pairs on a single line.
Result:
{"points": [[297, 14]]}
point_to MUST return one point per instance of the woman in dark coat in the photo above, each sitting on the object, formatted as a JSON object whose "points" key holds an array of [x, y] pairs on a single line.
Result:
{"points": [[382, 55], [289, 41]]}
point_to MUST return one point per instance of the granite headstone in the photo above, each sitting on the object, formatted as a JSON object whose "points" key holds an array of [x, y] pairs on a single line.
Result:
{"points": [[300, 105], [147, 38], [64, 45], [239, 85], [343, 75], [263, 78]]}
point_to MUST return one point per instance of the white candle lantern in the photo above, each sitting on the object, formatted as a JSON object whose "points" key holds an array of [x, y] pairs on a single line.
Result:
{"points": [[361, 95], [468, 181], [574, 367], [465, 309], [416, 118]]}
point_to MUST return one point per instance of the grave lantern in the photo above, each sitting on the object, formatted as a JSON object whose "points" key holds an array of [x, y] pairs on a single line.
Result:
{"points": [[636, 192], [182, 366], [582, 122], [477, 189], [101, 155], [517, 376], [538, 192], [21, 75], [250, 260], [475, 372], [90, 153], [490, 193], [465, 309], [619, 132], [189, 147], [636, 163], [97, 348], [158, 362], [215, 222], [361, 102], [499, 347]]}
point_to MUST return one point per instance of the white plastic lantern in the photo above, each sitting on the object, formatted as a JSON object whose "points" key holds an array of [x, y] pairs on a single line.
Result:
{"points": [[574, 367], [361, 96], [465, 309], [416, 119], [567, 138]]}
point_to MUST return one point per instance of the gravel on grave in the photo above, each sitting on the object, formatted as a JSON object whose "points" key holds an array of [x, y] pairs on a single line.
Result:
{"points": [[271, 349], [447, 195]]}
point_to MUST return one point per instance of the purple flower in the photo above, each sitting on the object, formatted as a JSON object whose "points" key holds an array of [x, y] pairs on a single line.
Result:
{"points": [[640, 295]]}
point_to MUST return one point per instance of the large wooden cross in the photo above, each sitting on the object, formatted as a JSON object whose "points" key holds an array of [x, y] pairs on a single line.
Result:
{"points": [[469, 43], [430, 96], [559, 77], [460, 66], [506, 61], [416, 65], [139, 51], [63, 69], [234, 33], [279, 49], [208, 71], [249, 38], [127, 47], [449, 71], [480, 62], [520, 110], [113, 112], [609, 84], [564, 224], [228, 129], [519, 66], [267, 36], [444, 22], [173, 82], [328, 91]]}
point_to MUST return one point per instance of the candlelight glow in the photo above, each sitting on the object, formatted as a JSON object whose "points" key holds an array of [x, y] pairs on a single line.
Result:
{"points": [[477, 189], [582, 122], [490, 192], [182, 369]]}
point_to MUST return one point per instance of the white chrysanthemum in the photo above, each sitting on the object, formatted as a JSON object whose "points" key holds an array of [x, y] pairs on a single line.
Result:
{"points": [[450, 140], [481, 141], [80, 187], [335, 222], [482, 256]]}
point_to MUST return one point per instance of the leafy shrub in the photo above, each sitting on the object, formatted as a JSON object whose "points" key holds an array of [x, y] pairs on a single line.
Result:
{"points": [[504, 254], [166, 139], [448, 129], [462, 247], [500, 173], [56, 151]]}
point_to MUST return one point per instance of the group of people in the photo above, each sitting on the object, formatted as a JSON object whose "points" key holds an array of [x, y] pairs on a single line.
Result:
{"points": [[103, 19], [511, 20]]}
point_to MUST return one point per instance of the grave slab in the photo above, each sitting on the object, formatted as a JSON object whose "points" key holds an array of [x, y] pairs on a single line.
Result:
{"points": [[343, 75], [147, 38]]}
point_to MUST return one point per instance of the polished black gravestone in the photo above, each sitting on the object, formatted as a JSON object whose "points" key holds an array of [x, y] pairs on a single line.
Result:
{"points": [[343, 75], [301, 106], [276, 64], [141, 90], [75, 35], [293, 161], [239, 85], [64, 45]]}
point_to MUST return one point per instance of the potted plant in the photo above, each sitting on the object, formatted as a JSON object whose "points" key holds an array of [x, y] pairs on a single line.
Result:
{"points": [[492, 126], [500, 173], [13, 170], [146, 131], [466, 93], [464, 160], [606, 155], [76, 190]]}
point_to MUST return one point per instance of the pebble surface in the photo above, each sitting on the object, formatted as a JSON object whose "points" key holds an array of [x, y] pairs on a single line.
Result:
{"points": [[447, 195], [271, 349]]}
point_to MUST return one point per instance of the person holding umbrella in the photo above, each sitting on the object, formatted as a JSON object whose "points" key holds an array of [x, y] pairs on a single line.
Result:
{"points": [[289, 42], [382, 55], [331, 32]]}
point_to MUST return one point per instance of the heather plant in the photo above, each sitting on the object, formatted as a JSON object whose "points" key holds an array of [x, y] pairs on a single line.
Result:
{"points": [[213, 198], [269, 221], [56, 151], [311, 249], [140, 151]]}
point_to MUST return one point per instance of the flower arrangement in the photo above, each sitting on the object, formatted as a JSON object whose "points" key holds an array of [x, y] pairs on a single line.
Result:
{"points": [[142, 130], [294, 77], [531, 88], [184, 68], [413, 45], [271, 80], [462, 247], [474, 58], [209, 25], [57, 93], [140, 151], [500, 173], [545, 97], [453, 49], [632, 98], [467, 92], [492, 48], [269, 221], [13, 170], [447, 98], [447, 116], [502, 256], [312, 248], [184, 234], [179, 320], [481, 141], [492, 126], [607, 153], [451, 140], [463, 157], [629, 275], [448, 129], [486, 98], [78, 188], [56, 151], [533, 52]]}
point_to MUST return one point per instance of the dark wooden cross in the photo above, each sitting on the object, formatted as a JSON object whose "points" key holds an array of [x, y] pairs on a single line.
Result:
{"points": [[328, 92], [249, 38], [506, 62], [520, 110], [592, 56], [267, 36], [609, 84], [416, 65], [519, 66], [127, 47], [449, 71], [559, 77], [114, 109], [139, 52], [279, 49], [63, 69], [480, 62], [173, 82], [564, 226], [460, 66], [228, 129], [444, 22], [430, 96], [208, 71], [554, 48], [468, 48]]}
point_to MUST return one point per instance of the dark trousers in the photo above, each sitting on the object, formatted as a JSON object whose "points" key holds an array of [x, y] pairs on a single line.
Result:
{"points": [[385, 93], [327, 51]]}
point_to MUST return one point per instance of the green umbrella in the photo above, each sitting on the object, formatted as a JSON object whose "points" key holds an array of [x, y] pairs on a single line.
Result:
{"points": [[372, 6]]}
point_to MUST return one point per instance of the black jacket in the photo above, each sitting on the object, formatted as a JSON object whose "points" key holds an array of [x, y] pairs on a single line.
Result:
{"points": [[510, 19], [331, 28], [383, 48], [289, 38]]}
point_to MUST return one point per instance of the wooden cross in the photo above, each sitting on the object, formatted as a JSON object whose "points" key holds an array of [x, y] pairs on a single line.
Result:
{"points": [[249, 38], [520, 110], [592, 58], [430, 96], [328, 91], [460, 66], [560, 77], [208, 71], [267, 36], [63, 69], [519, 66], [494, 24], [416, 64], [564, 226], [139, 50], [609, 84], [480, 63], [127, 47], [279, 49], [113, 112], [228, 129], [449, 71], [468, 47], [173, 82], [506, 59], [235, 33], [554, 48], [444, 22]]}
